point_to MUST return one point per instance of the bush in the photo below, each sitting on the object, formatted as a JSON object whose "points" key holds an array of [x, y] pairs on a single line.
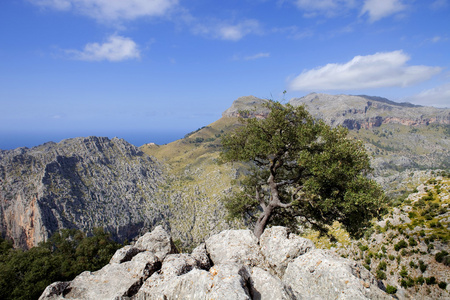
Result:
{"points": [[400, 245], [431, 280], [412, 242], [391, 289], [441, 256], [382, 265], [391, 257], [403, 272], [422, 266], [420, 280], [442, 285], [380, 275]]}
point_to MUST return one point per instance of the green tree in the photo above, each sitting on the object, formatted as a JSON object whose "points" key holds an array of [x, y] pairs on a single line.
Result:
{"points": [[302, 170]]}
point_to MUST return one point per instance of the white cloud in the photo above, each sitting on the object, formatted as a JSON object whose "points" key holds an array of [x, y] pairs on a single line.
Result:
{"points": [[438, 96], [385, 69], [107, 10], [226, 31], [327, 7], [116, 48], [439, 4], [257, 56], [378, 9]]}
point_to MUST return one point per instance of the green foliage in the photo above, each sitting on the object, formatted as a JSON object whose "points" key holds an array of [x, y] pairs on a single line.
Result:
{"points": [[380, 275], [422, 266], [304, 169], [442, 285], [391, 289], [382, 265], [442, 257], [400, 245], [25, 274], [412, 242], [430, 280]]}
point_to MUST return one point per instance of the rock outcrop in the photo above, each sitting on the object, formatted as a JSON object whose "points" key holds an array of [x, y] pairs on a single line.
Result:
{"points": [[229, 265], [356, 112], [78, 183]]}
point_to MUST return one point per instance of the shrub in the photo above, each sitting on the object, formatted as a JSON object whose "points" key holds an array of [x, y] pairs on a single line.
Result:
{"points": [[380, 275], [430, 280], [400, 245], [391, 257], [420, 280], [440, 256], [391, 289], [403, 272], [412, 242], [413, 265], [363, 248], [382, 265], [422, 266], [442, 285]]}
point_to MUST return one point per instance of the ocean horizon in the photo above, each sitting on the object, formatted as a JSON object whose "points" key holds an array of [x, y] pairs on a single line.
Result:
{"points": [[10, 141]]}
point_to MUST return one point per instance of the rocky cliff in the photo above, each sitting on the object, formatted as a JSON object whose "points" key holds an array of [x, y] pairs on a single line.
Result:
{"points": [[229, 265], [356, 112], [78, 183]]}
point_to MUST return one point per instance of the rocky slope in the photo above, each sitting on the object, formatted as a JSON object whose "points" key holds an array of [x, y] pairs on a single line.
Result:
{"points": [[229, 265], [409, 248], [78, 183]]}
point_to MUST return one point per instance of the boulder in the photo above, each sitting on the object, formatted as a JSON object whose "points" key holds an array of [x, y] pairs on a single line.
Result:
{"points": [[223, 281], [321, 274], [229, 265], [239, 246], [265, 286], [158, 241], [280, 248]]}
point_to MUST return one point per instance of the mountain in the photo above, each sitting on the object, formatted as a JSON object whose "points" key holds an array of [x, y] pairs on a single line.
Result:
{"points": [[78, 183], [89, 182]]}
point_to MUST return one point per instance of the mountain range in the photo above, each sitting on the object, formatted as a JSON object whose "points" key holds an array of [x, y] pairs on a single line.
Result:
{"points": [[99, 182]]}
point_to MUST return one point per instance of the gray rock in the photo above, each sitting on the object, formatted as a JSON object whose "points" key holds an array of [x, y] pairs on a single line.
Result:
{"points": [[225, 281], [239, 246], [320, 274], [279, 247], [265, 286], [158, 242], [201, 256], [124, 254]]}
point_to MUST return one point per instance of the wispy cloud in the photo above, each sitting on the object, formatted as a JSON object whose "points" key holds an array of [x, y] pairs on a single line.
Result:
{"points": [[228, 31], [378, 9], [116, 48], [110, 10], [385, 69], [257, 56], [324, 7], [438, 96], [439, 4]]}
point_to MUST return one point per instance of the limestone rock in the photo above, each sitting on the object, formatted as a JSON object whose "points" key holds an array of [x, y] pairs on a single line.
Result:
{"points": [[239, 246], [79, 183], [265, 286], [158, 242], [320, 274], [149, 271], [279, 247]]}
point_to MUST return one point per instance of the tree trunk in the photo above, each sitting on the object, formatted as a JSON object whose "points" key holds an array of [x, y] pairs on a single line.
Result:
{"points": [[262, 221]]}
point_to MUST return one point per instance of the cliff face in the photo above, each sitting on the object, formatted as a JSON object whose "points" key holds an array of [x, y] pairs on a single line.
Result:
{"points": [[356, 112], [78, 183]]}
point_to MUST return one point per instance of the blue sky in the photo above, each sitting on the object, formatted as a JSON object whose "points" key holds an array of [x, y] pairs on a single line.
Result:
{"points": [[154, 70]]}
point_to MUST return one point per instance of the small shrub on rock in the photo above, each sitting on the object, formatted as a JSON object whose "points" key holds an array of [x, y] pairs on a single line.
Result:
{"points": [[391, 289]]}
